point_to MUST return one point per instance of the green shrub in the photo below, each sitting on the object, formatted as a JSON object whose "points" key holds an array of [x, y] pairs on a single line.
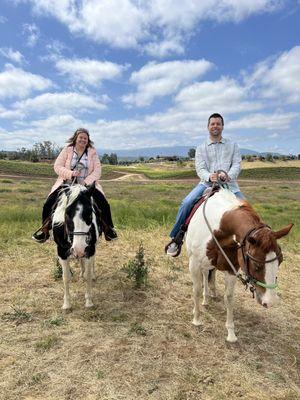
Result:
{"points": [[137, 269]]}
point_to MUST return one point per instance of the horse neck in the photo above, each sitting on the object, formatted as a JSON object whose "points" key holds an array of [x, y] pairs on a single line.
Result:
{"points": [[242, 221]]}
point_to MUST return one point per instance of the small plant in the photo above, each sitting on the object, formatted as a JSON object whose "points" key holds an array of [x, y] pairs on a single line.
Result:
{"points": [[55, 321], [137, 269], [100, 374], [36, 379], [57, 271], [138, 329], [19, 316], [46, 343]]}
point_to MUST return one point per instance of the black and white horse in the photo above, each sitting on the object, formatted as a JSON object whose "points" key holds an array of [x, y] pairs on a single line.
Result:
{"points": [[76, 222]]}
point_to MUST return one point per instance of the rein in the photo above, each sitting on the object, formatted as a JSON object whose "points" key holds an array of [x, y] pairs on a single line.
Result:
{"points": [[248, 279]]}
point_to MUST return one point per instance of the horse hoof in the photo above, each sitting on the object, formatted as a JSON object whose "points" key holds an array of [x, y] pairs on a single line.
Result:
{"points": [[66, 309], [89, 305], [205, 303], [231, 339], [196, 322]]}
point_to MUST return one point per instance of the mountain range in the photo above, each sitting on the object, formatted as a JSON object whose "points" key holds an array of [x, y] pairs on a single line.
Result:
{"points": [[147, 152]]}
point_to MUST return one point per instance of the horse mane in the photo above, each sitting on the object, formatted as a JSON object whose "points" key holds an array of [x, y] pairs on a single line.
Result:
{"points": [[246, 208], [266, 240], [67, 196], [264, 237]]}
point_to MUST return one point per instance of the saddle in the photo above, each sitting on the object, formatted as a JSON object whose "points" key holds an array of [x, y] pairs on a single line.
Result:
{"points": [[178, 239]]}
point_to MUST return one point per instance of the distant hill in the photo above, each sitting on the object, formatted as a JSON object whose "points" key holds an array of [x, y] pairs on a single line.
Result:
{"points": [[147, 152]]}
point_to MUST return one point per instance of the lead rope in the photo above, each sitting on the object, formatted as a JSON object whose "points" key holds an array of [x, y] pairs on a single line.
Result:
{"points": [[236, 273]]}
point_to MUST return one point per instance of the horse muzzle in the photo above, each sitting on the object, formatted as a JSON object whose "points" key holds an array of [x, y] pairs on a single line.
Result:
{"points": [[77, 253], [268, 299]]}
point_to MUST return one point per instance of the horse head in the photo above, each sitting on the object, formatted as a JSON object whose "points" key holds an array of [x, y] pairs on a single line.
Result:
{"points": [[74, 221], [260, 258]]}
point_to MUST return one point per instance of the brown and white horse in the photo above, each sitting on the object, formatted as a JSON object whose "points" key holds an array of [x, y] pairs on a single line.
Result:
{"points": [[250, 245]]}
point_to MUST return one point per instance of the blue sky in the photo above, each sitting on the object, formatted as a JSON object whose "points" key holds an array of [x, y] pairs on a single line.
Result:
{"points": [[149, 73]]}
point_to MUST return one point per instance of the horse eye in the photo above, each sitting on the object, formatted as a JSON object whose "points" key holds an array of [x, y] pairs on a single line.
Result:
{"points": [[258, 267]]}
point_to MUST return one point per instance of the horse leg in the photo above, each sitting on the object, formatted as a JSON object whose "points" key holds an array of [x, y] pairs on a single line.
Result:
{"points": [[230, 281], [205, 287], [212, 283], [81, 268], [66, 280], [93, 268], [88, 275], [196, 275]]}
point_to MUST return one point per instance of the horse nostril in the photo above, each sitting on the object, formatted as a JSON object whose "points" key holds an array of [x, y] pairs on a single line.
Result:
{"points": [[264, 305]]}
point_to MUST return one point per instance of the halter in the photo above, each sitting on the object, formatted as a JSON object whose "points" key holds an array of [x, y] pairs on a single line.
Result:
{"points": [[247, 256], [248, 279]]}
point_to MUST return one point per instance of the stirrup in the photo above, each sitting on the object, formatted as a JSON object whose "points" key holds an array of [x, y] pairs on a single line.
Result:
{"points": [[110, 234], [40, 237], [179, 245]]}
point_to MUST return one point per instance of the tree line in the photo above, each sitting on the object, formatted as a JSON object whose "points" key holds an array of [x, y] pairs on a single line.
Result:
{"points": [[42, 151]]}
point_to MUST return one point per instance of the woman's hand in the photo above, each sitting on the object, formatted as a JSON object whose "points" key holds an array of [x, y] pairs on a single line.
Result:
{"points": [[75, 173]]}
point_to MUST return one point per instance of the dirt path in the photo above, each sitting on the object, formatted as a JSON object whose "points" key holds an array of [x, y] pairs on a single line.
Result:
{"points": [[132, 177]]}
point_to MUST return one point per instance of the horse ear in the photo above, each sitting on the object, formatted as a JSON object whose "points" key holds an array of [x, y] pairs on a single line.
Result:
{"points": [[90, 189], [283, 232], [252, 240]]}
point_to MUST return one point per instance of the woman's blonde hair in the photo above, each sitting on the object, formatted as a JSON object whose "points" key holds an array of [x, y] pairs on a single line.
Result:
{"points": [[72, 139]]}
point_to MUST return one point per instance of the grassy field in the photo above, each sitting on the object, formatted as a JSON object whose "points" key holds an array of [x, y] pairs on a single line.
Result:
{"points": [[283, 170], [140, 344]]}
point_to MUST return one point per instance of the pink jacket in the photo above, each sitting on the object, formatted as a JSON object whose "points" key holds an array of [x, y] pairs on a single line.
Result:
{"points": [[62, 167]]}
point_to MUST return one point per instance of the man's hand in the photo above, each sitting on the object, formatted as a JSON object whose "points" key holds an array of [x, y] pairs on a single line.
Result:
{"points": [[224, 177], [75, 173], [213, 177]]}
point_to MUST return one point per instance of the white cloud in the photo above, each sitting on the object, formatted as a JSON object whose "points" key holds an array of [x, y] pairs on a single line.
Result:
{"points": [[10, 114], [90, 72], [161, 79], [269, 121], [32, 32], [2, 19], [277, 78], [12, 55], [164, 48], [223, 96], [15, 82], [131, 23], [59, 103]]}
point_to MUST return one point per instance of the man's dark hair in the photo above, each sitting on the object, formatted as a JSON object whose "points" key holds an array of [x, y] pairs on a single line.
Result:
{"points": [[216, 115]]}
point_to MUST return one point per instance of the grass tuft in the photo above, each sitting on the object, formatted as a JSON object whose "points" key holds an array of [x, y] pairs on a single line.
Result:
{"points": [[46, 343], [18, 315]]}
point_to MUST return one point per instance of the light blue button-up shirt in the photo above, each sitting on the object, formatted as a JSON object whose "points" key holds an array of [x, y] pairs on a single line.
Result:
{"points": [[212, 156]]}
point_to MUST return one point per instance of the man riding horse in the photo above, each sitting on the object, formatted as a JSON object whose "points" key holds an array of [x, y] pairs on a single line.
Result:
{"points": [[216, 153]]}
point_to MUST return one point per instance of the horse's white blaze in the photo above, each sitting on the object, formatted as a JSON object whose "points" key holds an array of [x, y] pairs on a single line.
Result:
{"points": [[270, 297], [96, 226], [79, 241]]}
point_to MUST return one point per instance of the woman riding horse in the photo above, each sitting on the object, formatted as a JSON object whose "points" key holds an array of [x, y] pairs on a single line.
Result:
{"points": [[77, 162]]}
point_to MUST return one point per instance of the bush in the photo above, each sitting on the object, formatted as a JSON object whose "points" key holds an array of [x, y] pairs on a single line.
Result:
{"points": [[137, 269]]}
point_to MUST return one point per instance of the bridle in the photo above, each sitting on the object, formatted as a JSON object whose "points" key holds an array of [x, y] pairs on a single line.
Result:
{"points": [[70, 234], [248, 280], [248, 256]]}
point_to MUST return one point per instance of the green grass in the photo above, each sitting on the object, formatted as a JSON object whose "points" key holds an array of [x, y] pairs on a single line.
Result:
{"points": [[26, 168], [282, 173], [165, 171], [142, 205]]}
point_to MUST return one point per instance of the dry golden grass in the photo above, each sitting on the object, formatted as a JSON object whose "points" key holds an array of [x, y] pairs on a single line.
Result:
{"points": [[268, 164], [140, 344]]}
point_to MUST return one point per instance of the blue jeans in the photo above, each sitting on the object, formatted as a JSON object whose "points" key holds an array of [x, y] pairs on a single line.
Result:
{"points": [[187, 205]]}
